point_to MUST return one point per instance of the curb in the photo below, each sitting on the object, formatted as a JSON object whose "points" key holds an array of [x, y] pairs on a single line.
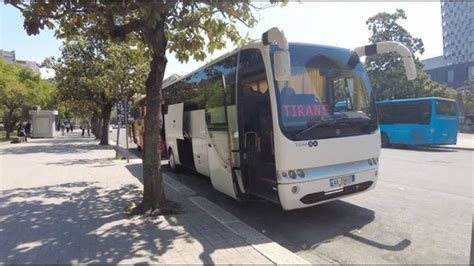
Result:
{"points": [[261, 243], [454, 148], [264, 245]]}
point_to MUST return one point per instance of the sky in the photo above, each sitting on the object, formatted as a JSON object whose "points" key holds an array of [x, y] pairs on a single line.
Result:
{"points": [[331, 23]]}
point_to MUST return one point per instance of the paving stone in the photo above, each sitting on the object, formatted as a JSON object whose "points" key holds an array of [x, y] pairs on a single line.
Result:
{"points": [[72, 211]]}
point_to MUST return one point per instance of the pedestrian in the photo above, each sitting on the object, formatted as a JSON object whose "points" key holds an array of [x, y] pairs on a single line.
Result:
{"points": [[88, 128], [22, 133], [28, 128], [85, 126], [72, 126], [63, 127], [82, 128], [68, 127]]}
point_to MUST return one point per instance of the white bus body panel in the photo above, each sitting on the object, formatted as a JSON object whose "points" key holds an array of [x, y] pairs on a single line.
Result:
{"points": [[290, 200], [292, 155], [198, 133], [220, 171], [174, 121]]}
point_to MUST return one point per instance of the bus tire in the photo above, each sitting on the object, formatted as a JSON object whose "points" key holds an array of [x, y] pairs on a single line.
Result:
{"points": [[385, 140], [172, 162]]}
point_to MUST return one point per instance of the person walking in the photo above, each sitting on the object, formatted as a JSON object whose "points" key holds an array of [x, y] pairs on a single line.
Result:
{"points": [[85, 126], [28, 128], [88, 128], [21, 132], [68, 127], [63, 127]]}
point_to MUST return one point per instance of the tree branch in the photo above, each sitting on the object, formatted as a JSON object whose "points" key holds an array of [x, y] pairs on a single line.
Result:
{"points": [[116, 31]]}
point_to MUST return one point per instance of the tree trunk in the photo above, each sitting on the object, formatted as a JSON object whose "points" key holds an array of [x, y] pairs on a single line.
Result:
{"points": [[104, 136], [9, 124], [93, 121], [98, 127], [153, 194]]}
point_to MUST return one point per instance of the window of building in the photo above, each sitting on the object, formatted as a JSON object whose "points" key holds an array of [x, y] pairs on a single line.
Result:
{"points": [[471, 73], [450, 75]]}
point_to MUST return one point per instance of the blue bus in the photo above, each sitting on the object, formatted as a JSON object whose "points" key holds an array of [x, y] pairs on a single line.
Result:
{"points": [[418, 121]]}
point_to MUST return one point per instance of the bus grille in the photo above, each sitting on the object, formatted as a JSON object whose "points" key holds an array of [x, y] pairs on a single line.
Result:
{"points": [[321, 196]]}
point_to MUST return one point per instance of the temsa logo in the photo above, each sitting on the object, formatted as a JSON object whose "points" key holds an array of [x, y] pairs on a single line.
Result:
{"points": [[311, 143]]}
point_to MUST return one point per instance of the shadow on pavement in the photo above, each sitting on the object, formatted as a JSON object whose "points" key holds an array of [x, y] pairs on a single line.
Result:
{"points": [[75, 145], [80, 222], [194, 219], [296, 230], [103, 162], [73, 222]]}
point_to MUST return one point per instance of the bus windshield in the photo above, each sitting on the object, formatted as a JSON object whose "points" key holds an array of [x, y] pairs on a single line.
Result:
{"points": [[325, 97]]}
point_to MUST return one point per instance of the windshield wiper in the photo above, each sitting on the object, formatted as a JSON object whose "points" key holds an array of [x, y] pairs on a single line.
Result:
{"points": [[324, 122], [343, 121]]}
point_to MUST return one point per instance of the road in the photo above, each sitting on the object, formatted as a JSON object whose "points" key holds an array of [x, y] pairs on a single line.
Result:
{"points": [[420, 212]]}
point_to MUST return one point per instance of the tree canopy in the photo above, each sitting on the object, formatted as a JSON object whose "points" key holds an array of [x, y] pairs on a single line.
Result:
{"points": [[386, 71], [92, 76], [187, 28], [20, 91]]}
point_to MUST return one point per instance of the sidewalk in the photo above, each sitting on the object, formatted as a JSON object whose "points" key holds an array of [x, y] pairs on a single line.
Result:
{"points": [[62, 201], [465, 141]]}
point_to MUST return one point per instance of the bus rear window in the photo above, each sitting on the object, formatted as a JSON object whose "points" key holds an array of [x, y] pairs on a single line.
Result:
{"points": [[446, 108]]}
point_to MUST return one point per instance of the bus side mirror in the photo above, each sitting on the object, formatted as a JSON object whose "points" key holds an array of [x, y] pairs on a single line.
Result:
{"points": [[390, 46], [281, 66]]}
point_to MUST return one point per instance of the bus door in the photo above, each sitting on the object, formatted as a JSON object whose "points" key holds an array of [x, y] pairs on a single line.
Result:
{"points": [[220, 114], [256, 130]]}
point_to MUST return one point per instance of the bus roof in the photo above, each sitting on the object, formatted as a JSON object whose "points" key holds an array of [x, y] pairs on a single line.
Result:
{"points": [[413, 100]]}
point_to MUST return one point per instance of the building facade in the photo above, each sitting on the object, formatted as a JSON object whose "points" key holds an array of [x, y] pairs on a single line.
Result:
{"points": [[458, 31], [455, 68], [10, 57], [459, 76]]}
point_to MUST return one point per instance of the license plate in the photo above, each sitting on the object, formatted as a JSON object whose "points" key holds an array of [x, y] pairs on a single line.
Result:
{"points": [[341, 181]]}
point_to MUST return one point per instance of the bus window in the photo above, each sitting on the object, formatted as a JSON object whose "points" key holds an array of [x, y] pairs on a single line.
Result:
{"points": [[405, 113], [446, 108]]}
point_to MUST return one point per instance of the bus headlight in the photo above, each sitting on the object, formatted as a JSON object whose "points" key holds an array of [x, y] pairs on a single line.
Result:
{"points": [[300, 172], [292, 174], [284, 174]]}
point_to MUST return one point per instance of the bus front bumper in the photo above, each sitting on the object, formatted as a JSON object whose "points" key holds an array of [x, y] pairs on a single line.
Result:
{"points": [[305, 194]]}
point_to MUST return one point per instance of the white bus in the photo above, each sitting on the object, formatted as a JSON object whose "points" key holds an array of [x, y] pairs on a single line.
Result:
{"points": [[262, 121]]}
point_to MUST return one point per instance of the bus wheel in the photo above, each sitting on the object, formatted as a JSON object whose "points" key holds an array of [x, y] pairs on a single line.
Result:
{"points": [[172, 162], [385, 140]]}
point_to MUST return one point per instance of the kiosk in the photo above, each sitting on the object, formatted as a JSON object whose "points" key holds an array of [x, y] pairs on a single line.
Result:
{"points": [[43, 123]]}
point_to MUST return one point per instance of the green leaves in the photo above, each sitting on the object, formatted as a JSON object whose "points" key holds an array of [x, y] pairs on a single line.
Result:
{"points": [[91, 74], [21, 90], [386, 71]]}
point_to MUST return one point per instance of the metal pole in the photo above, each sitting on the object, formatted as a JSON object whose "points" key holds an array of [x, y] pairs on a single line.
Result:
{"points": [[126, 129], [118, 130]]}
